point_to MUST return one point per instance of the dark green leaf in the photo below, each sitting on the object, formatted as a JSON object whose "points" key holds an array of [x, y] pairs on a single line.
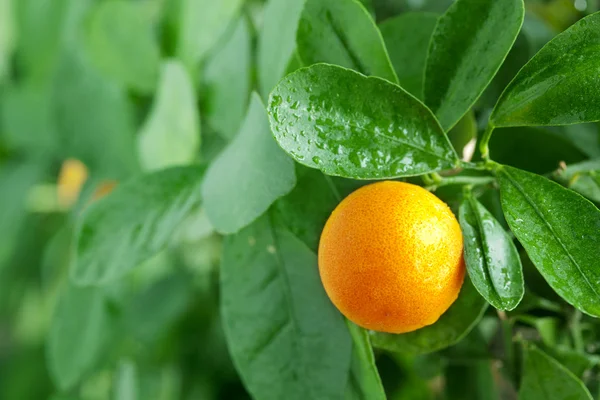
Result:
{"points": [[559, 85], [201, 24], [583, 177], [585, 137], [545, 378], [277, 41], [468, 46], [77, 336], [248, 176], [133, 223], [364, 381], [122, 44], [407, 40], [491, 257], [319, 116], [286, 338], [226, 81], [471, 381], [560, 231], [574, 361], [452, 326], [171, 134], [342, 32]]}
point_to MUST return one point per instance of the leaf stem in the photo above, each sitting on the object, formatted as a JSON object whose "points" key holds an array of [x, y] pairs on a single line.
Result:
{"points": [[461, 180], [575, 327], [484, 142]]}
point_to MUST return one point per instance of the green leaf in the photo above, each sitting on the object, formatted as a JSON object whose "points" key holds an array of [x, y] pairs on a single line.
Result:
{"points": [[452, 326], [319, 116], [560, 230], [407, 40], [77, 335], [201, 25], [226, 81], [559, 85], [342, 32], [277, 41], [468, 46], [7, 36], [364, 381], [473, 380], [248, 176], [583, 177], [122, 44], [286, 338], [171, 134], [463, 136], [133, 223], [126, 382], [544, 377], [491, 257]]}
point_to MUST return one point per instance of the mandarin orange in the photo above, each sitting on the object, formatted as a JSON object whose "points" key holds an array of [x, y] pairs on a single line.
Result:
{"points": [[391, 257]]}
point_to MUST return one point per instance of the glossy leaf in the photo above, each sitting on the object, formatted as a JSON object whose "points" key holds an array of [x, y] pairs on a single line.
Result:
{"points": [[491, 257], [452, 326], [201, 25], [77, 335], [171, 134], [407, 40], [253, 169], [342, 32], [133, 223], [559, 85], [364, 381], [277, 41], [226, 81], [121, 43], [286, 338], [319, 116], [544, 377], [468, 46], [560, 230]]}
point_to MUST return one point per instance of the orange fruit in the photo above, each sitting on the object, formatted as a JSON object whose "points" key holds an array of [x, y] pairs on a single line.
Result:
{"points": [[391, 257]]}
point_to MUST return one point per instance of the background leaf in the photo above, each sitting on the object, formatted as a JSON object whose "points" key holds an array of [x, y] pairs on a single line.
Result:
{"points": [[226, 81], [559, 85], [277, 41], [252, 157], [121, 43], [319, 117], [407, 40], [342, 32], [7, 36], [133, 223], [491, 257], [275, 310], [364, 381], [560, 231], [468, 46], [545, 377], [171, 134], [452, 326], [126, 382], [583, 178]]}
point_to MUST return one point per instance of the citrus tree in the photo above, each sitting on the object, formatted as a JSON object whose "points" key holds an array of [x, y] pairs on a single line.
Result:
{"points": [[299, 199]]}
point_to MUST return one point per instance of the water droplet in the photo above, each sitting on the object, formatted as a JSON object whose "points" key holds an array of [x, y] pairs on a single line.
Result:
{"points": [[316, 160]]}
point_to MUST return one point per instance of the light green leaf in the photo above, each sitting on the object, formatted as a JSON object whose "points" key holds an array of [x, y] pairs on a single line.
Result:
{"points": [[559, 85], [407, 40], [248, 176], [201, 25], [342, 32], [277, 41], [122, 44], [7, 36], [583, 178], [452, 326], [319, 116], [560, 230], [226, 81], [126, 382], [468, 46], [286, 338], [364, 381], [491, 257], [133, 223], [171, 134], [77, 336], [544, 377]]}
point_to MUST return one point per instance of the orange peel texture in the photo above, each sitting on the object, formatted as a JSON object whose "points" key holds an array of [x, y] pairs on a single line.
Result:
{"points": [[391, 257]]}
